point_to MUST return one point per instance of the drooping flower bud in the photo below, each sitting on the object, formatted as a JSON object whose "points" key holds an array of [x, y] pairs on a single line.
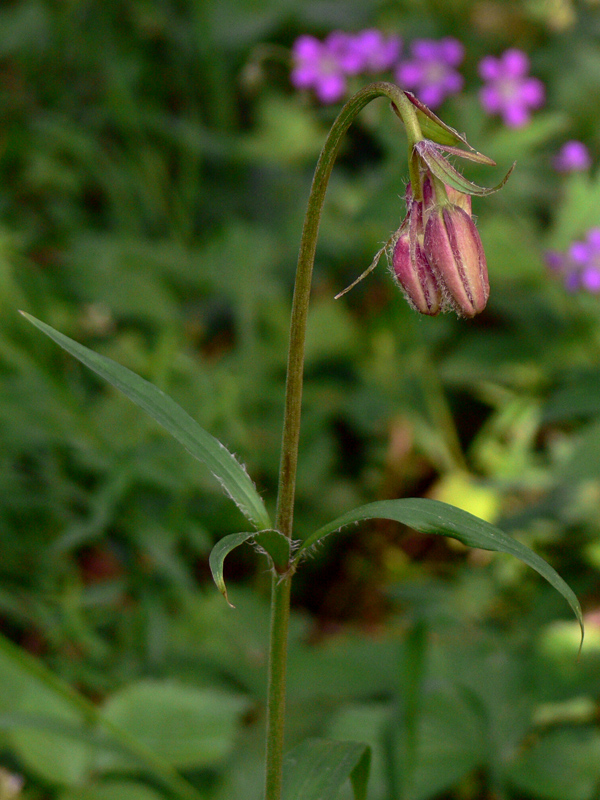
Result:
{"points": [[411, 267], [454, 250], [436, 256]]}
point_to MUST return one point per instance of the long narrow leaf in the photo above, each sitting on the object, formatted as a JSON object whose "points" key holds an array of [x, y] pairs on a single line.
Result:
{"points": [[224, 466], [442, 169], [433, 516], [434, 128], [318, 768]]}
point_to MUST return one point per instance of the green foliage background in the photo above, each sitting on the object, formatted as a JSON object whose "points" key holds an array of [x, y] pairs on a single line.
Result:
{"points": [[155, 165]]}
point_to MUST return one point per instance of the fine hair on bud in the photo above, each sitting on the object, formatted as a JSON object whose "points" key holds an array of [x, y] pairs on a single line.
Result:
{"points": [[411, 269], [454, 250]]}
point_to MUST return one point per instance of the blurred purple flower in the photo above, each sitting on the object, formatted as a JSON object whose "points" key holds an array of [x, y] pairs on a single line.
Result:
{"points": [[510, 91], [318, 66], [342, 47], [430, 70], [376, 51], [573, 157], [325, 66], [580, 265]]}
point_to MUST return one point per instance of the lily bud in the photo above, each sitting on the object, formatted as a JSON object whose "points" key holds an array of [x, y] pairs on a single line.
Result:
{"points": [[411, 267], [454, 250]]}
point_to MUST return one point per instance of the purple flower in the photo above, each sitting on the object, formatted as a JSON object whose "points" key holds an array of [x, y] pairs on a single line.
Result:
{"points": [[319, 66], [342, 47], [580, 265], [510, 91], [325, 66], [376, 52], [573, 157], [430, 71]]}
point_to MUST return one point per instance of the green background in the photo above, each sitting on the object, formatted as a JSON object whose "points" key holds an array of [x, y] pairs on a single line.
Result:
{"points": [[154, 169]]}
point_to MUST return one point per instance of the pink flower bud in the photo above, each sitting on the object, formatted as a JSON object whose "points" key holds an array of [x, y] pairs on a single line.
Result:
{"points": [[453, 249], [411, 268], [459, 199]]}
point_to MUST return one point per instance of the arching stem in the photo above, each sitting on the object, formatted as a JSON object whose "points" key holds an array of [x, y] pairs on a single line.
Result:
{"points": [[280, 600]]}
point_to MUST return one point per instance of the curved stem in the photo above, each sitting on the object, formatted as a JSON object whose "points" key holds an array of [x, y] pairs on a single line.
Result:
{"points": [[306, 256], [280, 603]]}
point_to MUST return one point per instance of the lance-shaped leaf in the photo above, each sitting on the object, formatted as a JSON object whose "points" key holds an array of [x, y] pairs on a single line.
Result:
{"points": [[469, 155], [439, 165], [224, 466], [435, 129], [274, 544], [318, 768], [433, 516]]}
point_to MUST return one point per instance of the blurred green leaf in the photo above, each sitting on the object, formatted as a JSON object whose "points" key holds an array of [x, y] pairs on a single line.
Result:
{"points": [[318, 768], [577, 398], [449, 742], [189, 727], [48, 744], [23, 26], [560, 765], [510, 143], [34, 716], [577, 212], [112, 790]]}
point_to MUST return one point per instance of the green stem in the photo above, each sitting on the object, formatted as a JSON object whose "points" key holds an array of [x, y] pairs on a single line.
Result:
{"points": [[293, 402], [437, 405], [280, 616]]}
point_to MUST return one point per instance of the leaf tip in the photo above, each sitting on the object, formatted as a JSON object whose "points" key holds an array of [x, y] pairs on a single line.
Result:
{"points": [[223, 589], [582, 638]]}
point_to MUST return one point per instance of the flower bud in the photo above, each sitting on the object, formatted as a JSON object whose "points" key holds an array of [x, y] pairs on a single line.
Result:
{"points": [[411, 268], [453, 249], [459, 199]]}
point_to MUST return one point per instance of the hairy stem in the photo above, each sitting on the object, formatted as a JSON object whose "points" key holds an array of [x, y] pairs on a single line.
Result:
{"points": [[280, 606]]}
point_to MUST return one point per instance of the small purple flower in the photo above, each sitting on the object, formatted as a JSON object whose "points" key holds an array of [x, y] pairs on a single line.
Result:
{"points": [[342, 47], [510, 91], [430, 71], [376, 51], [573, 157], [321, 66], [325, 66], [580, 265]]}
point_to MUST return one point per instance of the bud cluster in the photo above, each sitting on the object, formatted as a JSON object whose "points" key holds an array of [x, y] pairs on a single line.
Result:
{"points": [[437, 255]]}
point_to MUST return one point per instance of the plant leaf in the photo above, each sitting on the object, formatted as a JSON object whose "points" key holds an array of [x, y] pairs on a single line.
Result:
{"points": [[435, 129], [206, 448], [190, 726], [443, 169], [274, 544], [22, 674], [318, 768], [433, 516], [112, 790], [470, 155]]}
